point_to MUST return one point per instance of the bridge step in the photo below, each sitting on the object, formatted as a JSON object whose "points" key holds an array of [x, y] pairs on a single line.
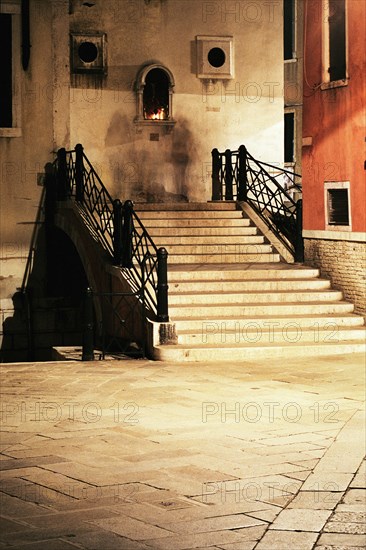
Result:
{"points": [[252, 352], [232, 299], [259, 297]]}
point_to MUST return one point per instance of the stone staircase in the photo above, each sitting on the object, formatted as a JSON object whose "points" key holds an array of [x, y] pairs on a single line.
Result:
{"points": [[232, 298]]}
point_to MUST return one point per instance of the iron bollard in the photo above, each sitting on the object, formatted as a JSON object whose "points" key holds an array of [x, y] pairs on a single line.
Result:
{"points": [[299, 241], [88, 327], [162, 290], [242, 174], [228, 176], [216, 184]]}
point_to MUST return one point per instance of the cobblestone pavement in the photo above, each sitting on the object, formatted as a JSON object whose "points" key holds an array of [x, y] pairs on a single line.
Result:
{"points": [[138, 455]]}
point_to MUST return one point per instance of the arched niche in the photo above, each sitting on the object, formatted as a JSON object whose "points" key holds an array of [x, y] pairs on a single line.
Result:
{"points": [[154, 88]]}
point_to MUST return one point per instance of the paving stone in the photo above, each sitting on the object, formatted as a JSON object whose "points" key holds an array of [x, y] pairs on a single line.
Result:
{"points": [[355, 496], [213, 524], [16, 508], [28, 462], [354, 508], [327, 547], [300, 519], [10, 526], [343, 527], [287, 540], [97, 540], [54, 544], [339, 539], [316, 500], [359, 481], [350, 517], [132, 528], [70, 518], [247, 545], [327, 481], [183, 542]]}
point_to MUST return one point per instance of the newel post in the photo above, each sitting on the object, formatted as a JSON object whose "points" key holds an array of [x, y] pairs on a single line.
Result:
{"points": [[242, 174], [299, 241], [79, 172], [216, 184], [162, 290], [228, 176], [117, 232], [127, 234]]}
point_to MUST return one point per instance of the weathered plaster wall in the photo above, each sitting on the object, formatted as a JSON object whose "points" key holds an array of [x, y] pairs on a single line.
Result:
{"points": [[335, 120], [247, 109], [44, 127]]}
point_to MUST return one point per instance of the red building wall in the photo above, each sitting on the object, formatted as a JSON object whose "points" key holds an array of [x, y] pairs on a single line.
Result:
{"points": [[334, 119]]}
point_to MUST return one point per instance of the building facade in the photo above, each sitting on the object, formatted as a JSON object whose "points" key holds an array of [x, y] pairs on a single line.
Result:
{"points": [[333, 161]]}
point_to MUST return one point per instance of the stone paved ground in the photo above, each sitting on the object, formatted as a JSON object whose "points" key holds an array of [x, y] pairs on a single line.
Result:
{"points": [[137, 455]]}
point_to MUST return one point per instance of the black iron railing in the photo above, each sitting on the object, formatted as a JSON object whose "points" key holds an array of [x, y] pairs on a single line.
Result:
{"points": [[117, 227], [236, 175]]}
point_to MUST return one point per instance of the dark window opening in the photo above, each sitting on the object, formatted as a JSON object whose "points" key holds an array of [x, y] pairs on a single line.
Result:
{"points": [[289, 137], [88, 52], [338, 207], [337, 40], [156, 95], [6, 109], [288, 28], [216, 57]]}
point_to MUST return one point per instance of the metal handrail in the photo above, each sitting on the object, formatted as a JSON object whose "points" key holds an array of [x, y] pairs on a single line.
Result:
{"points": [[117, 227], [237, 175]]}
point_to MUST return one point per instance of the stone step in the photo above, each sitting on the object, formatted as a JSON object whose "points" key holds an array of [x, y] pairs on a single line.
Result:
{"points": [[222, 257], [181, 206], [250, 352], [196, 222], [267, 322], [236, 249], [202, 231], [258, 297], [167, 241], [277, 271], [206, 312], [252, 333], [232, 285], [191, 214]]}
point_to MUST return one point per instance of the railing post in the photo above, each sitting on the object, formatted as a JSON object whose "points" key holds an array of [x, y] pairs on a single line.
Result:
{"points": [[88, 327], [162, 290], [242, 174], [216, 183], [62, 184], [299, 241], [228, 176], [127, 234], [79, 173], [117, 232]]}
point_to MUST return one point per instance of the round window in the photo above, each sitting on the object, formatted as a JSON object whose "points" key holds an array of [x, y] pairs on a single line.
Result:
{"points": [[216, 57], [88, 52]]}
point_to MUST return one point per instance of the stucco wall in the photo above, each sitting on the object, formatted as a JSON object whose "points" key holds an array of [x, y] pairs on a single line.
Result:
{"points": [[43, 96], [334, 119], [247, 109]]}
